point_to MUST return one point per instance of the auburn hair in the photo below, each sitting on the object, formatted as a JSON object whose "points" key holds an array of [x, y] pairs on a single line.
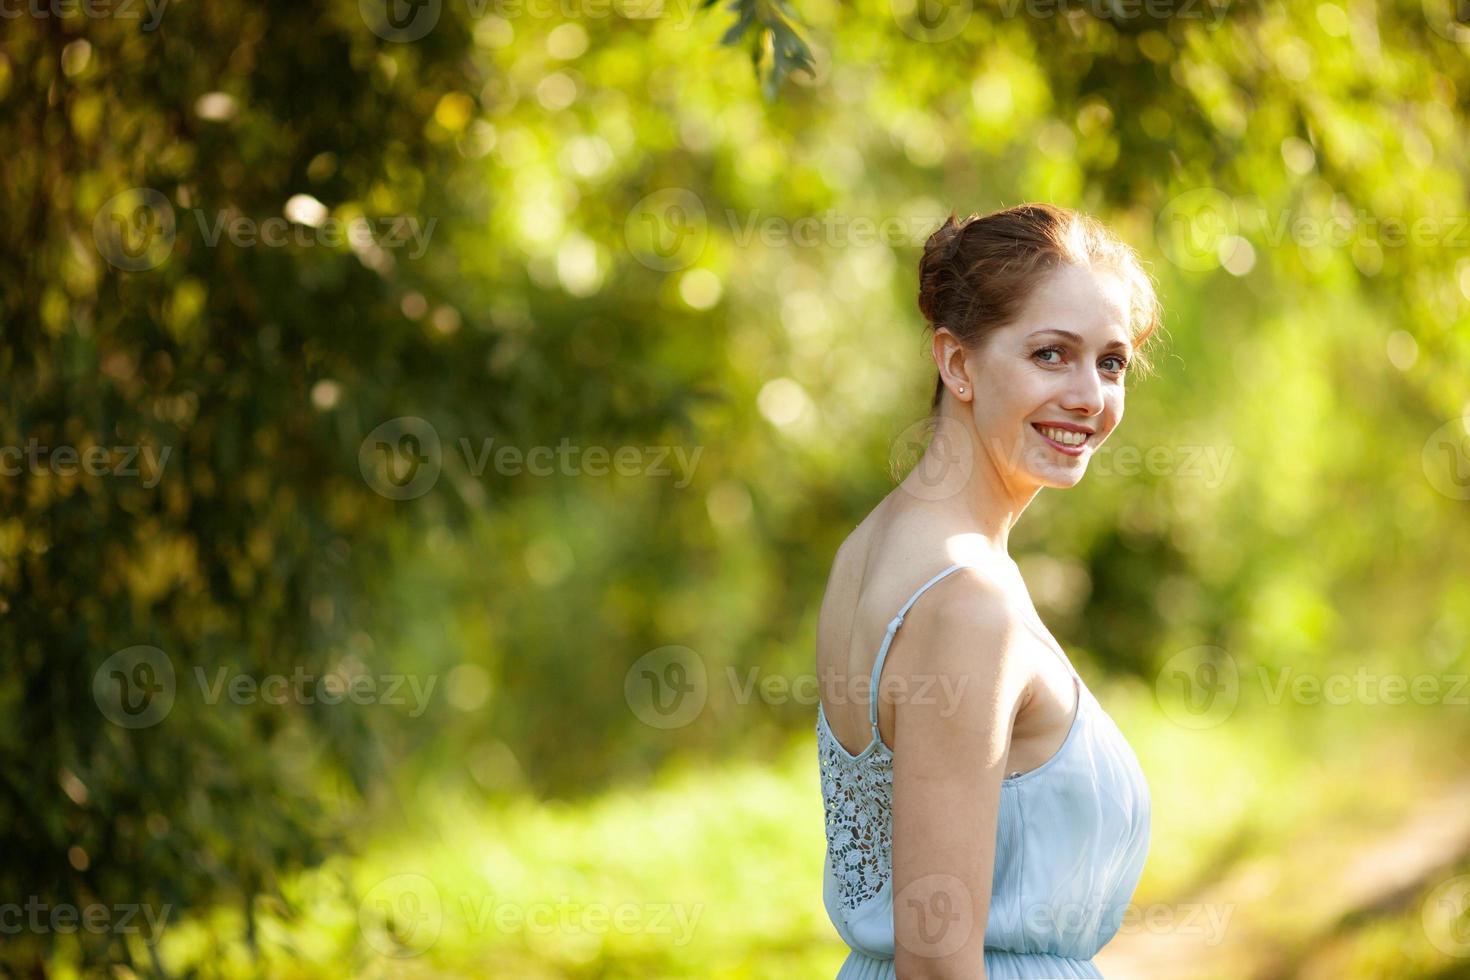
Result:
{"points": [[976, 274]]}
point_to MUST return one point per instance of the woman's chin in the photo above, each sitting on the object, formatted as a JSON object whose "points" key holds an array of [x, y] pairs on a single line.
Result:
{"points": [[1062, 479]]}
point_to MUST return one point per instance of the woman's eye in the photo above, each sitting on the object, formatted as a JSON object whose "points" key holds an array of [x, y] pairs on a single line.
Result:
{"points": [[1122, 364], [1048, 350]]}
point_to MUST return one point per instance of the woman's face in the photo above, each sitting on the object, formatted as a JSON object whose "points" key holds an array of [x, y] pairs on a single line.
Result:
{"points": [[1059, 366]]}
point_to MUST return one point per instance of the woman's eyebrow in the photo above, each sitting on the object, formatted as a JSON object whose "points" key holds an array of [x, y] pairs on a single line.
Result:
{"points": [[1077, 339]]}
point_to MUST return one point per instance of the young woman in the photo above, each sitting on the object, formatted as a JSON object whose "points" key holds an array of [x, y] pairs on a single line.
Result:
{"points": [[984, 815]]}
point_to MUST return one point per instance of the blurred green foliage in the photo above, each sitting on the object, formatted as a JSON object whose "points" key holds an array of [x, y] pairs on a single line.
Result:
{"points": [[620, 243]]}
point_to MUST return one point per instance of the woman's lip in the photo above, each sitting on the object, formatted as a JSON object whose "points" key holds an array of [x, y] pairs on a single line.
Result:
{"points": [[1068, 450]]}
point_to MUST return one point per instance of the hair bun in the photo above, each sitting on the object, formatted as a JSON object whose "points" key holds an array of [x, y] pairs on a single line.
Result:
{"points": [[942, 242], [938, 279]]}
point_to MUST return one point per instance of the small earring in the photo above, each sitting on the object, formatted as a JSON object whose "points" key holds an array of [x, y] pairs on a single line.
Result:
{"points": [[962, 389]]}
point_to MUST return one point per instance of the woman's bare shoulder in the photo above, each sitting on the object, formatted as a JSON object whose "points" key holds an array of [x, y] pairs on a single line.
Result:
{"points": [[894, 549], [849, 564]]}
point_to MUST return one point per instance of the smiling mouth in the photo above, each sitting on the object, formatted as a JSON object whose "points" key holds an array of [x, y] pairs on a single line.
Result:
{"points": [[1063, 440]]}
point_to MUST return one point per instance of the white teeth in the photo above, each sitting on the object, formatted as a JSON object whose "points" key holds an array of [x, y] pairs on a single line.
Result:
{"points": [[1065, 436]]}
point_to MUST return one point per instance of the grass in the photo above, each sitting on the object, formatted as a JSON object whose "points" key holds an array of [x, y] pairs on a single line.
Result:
{"points": [[714, 870]]}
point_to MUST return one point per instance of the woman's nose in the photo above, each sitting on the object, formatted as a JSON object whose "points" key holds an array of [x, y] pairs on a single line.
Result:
{"points": [[1084, 393]]}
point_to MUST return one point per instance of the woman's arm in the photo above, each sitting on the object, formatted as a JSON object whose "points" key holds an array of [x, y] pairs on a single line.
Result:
{"points": [[962, 685]]}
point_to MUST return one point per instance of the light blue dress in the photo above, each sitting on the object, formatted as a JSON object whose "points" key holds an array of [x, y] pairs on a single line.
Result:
{"points": [[1070, 844]]}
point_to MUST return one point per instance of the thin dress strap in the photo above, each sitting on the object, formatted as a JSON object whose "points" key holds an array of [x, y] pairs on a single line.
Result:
{"points": [[1033, 625], [888, 641]]}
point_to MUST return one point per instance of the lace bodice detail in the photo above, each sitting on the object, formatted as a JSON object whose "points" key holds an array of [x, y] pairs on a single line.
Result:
{"points": [[857, 795]]}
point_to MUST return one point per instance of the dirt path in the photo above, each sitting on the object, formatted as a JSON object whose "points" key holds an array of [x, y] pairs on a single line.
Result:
{"points": [[1246, 926]]}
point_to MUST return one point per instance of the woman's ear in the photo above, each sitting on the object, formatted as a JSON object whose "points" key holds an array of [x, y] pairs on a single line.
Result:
{"points": [[949, 357]]}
